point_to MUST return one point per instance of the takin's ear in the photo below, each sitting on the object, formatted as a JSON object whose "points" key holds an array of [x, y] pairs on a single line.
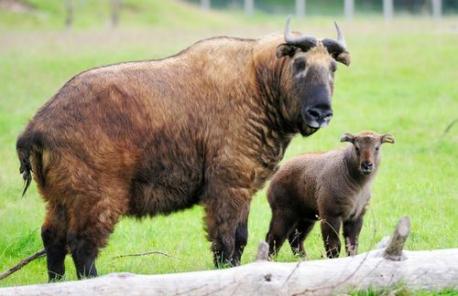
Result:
{"points": [[344, 58], [285, 50], [387, 138], [347, 137]]}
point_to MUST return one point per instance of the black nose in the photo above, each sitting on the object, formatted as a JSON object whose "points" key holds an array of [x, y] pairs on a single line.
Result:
{"points": [[367, 165], [318, 116]]}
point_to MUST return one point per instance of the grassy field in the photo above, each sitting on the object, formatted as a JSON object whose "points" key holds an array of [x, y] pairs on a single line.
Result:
{"points": [[403, 80]]}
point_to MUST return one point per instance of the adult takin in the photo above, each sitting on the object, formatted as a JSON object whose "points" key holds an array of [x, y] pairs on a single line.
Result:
{"points": [[333, 187], [206, 126]]}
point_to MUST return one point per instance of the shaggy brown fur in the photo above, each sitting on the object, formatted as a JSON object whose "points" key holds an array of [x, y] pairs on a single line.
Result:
{"points": [[207, 126], [333, 187]]}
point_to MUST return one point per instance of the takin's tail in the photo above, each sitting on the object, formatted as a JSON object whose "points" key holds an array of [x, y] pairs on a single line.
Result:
{"points": [[27, 144]]}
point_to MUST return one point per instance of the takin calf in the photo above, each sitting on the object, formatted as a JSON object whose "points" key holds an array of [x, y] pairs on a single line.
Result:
{"points": [[333, 187], [207, 126]]}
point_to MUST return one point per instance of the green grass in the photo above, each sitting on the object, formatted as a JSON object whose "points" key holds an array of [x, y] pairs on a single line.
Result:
{"points": [[402, 80], [400, 290]]}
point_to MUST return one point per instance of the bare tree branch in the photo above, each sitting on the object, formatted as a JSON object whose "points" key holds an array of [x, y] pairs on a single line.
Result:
{"points": [[449, 126], [143, 254], [22, 263]]}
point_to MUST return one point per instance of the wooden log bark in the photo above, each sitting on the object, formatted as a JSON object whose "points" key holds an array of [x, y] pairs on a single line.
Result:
{"points": [[397, 241], [430, 270]]}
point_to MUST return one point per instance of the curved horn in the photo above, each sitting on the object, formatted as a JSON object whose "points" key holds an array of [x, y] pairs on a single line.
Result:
{"points": [[338, 49], [340, 36], [300, 41]]}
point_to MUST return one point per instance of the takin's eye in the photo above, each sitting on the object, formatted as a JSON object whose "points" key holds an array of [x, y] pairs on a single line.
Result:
{"points": [[357, 150], [299, 64]]}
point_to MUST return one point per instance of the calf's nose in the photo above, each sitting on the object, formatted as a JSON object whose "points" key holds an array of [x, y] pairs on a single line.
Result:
{"points": [[367, 165]]}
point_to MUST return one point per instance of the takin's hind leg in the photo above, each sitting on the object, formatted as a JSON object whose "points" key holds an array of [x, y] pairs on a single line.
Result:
{"points": [[88, 231], [53, 234]]}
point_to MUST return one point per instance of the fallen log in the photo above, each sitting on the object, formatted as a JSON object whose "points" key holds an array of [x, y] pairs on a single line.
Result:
{"points": [[377, 269]]}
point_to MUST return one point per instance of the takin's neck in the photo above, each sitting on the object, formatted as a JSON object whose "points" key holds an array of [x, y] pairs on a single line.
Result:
{"points": [[268, 125], [271, 79]]}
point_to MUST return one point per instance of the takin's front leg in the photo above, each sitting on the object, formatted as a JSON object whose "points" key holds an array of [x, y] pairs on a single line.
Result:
{"points": [[226, 217], [351, 230]]}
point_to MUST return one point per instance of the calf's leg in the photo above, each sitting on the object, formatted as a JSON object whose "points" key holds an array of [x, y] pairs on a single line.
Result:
{"points": [[281, 225], [330, 227], [297, 236], [351, 231]]}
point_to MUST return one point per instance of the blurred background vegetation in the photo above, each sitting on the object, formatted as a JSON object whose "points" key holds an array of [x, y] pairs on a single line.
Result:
{"points": [[334, 7], [85, 13]]}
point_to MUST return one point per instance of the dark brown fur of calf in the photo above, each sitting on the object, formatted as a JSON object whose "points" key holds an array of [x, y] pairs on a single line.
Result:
{"points": [[333, 187]]}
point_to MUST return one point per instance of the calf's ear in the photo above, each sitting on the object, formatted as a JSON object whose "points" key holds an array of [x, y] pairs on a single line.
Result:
{"points": [[285, 50], [387, 138], [347, 137]]}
